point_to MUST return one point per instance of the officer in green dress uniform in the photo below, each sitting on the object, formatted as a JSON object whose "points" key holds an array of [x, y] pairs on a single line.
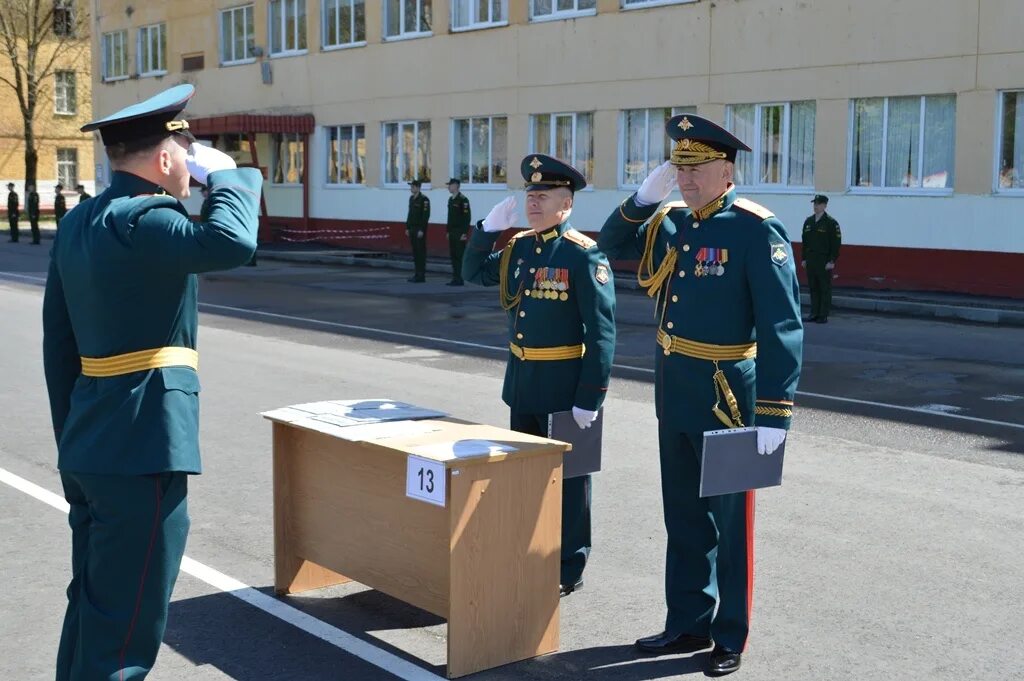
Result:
{"points": [[821, 241], [13, 211], [416, 226], [32, 199], [458, 228], [557, 289], [728, 354], [119, 350], [60, 205]]}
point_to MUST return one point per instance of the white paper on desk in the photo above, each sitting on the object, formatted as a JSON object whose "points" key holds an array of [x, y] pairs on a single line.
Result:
{"points": [[368, 432], [459, 449], [286, 414], [373, 403], [320, 426]]}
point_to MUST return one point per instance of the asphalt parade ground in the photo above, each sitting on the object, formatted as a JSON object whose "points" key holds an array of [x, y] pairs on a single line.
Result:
{"points": [[892, 550]]}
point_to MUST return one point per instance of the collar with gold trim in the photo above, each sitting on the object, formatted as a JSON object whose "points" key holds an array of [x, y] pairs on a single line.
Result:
{"points": [[710, 209]]}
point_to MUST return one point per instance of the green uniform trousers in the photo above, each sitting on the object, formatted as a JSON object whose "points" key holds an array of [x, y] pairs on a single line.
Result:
{"points": [[12, 220], [456, 248], [819, 280], [127, 540], [710, 552], [419, 251], [575, 506]]}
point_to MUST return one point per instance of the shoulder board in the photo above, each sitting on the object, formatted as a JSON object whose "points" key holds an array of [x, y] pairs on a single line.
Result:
{"points": [[579, 238], [755, 208], [512, 239], [671, 205]]}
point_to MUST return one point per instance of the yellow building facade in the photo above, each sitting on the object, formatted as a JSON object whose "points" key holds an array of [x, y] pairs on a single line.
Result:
{"points": [[909, 115]]}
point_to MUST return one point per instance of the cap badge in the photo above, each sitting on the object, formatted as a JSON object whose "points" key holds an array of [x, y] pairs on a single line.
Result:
{"points": [[685, 124], [535, 163]]}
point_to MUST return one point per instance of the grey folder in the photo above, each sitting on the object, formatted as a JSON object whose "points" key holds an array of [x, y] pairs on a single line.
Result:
{"points": [[585, 456], [730, 463]]}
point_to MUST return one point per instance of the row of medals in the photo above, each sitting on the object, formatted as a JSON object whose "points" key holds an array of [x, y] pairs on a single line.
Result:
{"points": [[709, 269], [551, 290]]}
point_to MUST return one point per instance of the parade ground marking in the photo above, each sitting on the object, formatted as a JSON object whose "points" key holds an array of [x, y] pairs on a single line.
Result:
{"points": [[481, 346], [357, 647]]}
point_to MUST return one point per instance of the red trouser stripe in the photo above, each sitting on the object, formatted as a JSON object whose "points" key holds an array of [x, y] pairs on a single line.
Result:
{"points": [[750, 556], [142, 579]]}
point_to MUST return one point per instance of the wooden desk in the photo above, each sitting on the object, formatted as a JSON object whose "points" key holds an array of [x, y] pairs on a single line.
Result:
{"points": [[488, 561]]}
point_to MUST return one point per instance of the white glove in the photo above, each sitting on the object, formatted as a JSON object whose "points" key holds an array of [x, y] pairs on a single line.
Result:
{"points": [[658, 185], [203, 160], [501, 216], [584, 417], [830, 266], [769, 439]]}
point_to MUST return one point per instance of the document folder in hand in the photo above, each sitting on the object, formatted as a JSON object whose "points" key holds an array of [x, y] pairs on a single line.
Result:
{"points": [[585, 456], [730, 463]]}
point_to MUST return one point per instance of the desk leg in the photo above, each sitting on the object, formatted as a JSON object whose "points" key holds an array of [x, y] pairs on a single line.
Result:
{"points": [[506, 521], [292, 572]]}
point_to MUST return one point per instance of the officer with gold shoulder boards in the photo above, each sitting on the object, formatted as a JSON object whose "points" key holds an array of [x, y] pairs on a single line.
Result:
{"points": [[557, 289], [728, 354], [119, 351]]}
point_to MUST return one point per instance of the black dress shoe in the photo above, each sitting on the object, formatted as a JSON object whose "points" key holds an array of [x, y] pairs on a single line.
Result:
{"points": [[722, 661], [566, 589], [670, 644], [416, 280], [455, 282]]}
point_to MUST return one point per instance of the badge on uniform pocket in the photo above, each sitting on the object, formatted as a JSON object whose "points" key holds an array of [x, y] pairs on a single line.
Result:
{"points": [[780, 256]]}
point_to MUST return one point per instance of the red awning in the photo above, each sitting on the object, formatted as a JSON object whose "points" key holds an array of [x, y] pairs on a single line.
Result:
{"points": [[302, 124]]}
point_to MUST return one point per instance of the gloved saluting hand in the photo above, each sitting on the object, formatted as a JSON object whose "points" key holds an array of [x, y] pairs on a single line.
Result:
{"points": [[203, 160], [658, 185], [501, 216]]}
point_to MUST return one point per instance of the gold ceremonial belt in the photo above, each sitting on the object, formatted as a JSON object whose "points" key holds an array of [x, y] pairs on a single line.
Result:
{"points": [[708, 351], [547, 354], [157, 358]]}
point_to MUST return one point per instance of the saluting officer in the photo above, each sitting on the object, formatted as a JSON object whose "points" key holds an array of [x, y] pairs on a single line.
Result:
{"points": [[416, 226], [821, 241], [13, 211], [458, 228], [60, 205], [119, 351], [557, 289], [728, 355]]}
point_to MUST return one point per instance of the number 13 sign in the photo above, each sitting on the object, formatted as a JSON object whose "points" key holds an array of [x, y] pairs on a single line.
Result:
{"points": [[425, 480]]}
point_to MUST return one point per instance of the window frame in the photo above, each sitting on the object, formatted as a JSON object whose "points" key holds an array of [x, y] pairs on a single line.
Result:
{"points": [[384, 157], [477, 25], [623, 138], [882, 189], [646, 4], [323, 27], [402, 33], [356, 161], [70, 102], [452, 160], [285, 52], [562, 14], [1000, 122], [161, 28], [552, 131], [275, 159], [72, 163], [251, 37], [105, 61], [755, 145]]}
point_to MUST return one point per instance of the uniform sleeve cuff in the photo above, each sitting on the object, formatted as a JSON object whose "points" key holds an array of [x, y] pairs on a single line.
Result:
{"points": [[773, 413]]}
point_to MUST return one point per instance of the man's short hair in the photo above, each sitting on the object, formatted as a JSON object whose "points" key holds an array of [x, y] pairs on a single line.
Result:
{"points": [[122, 152]]}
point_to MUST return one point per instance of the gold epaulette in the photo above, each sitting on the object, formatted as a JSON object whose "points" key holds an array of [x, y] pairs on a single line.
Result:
{"points": [[579, 238], [755, 208]]}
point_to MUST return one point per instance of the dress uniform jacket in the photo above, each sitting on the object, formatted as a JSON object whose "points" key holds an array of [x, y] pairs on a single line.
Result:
{"points": [[725, 278], [122, 279]]}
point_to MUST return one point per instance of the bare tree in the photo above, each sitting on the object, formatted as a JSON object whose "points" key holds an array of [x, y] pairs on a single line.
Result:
{"points": [[38, 37]]}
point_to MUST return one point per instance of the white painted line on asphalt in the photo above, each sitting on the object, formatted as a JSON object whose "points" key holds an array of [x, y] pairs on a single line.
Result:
{"points": [[382, 659], [480, 346]]}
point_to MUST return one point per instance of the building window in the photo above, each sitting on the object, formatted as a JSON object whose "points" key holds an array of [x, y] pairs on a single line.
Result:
{"points": [[287, 159], [67, 167], [561, 9], [407, 18], [406, 152], [645, 145], [153, 50], [344, 23], [287, 26], [1010, 159], [480, 150], [346, 154], [64, 101], [903, 142], [115, 55], [781, 137], [235, 143], [568, 137], [64, 18], [470, 14], [237, 35], [636, 4]]}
